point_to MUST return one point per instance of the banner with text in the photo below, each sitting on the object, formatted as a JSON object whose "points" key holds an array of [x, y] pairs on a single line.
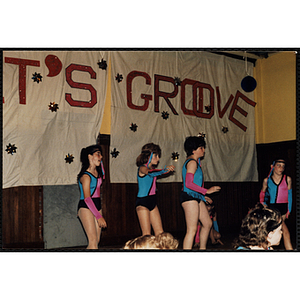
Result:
{"points": [[53, 104], [165, 96]]}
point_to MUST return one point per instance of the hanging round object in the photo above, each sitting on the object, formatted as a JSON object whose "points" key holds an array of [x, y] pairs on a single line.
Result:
{"points": [[248, 84]]}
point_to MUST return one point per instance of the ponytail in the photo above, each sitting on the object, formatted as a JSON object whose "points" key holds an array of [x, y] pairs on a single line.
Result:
{"points": [[146, 151], [84, 158]]}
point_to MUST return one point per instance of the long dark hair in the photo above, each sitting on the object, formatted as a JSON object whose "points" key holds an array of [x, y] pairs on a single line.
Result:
{"points": [[85, 159]]}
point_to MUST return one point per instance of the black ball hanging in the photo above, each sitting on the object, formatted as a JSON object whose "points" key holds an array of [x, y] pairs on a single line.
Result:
{"points": [[248, 84]]}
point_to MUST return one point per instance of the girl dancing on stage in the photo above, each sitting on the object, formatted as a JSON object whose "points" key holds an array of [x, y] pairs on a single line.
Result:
{"points": [[89, 207], [277, 193], [192, 197], [146, 206]]}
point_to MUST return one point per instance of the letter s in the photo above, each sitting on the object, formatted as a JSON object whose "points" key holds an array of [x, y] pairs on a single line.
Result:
{"points": [[78, 85]]}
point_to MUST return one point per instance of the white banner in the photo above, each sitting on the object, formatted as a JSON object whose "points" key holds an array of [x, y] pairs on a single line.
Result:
{"points": [[165, 96], [53, 104]]}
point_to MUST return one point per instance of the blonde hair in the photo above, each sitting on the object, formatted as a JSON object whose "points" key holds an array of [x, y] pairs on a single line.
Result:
{"points": [[141, 242], [164, 241]]}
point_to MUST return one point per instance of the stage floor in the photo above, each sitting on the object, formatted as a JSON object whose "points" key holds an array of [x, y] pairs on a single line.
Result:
{"points": [[227, 239]]}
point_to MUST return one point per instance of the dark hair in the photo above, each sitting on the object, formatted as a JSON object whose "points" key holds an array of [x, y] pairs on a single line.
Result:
{"points": [[146, 152], [85, 159], [279, 160], [212, 211], [193, 143], [256, 226]]}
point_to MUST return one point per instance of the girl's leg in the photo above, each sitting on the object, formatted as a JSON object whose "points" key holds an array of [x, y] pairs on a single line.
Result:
{"points": [[90, 226], [197, 238], [286, 236], [144, 219], [155, 221], [212, 236], [206, 224], [99, 229], [191, 211]]}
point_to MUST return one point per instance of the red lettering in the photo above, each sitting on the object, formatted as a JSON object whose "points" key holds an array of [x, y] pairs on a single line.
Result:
{"points": [[239, 109], [166, 96], [78, 85], [146, 97], [22, 63], [198, 98], [222, 111], [185, 110], [199, 113]]}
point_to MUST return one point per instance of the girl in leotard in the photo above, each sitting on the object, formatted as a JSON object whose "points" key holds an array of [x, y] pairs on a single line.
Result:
{"points": [[90, 179], [260, 230], [146, 206], [277, 193], [192, 197]]}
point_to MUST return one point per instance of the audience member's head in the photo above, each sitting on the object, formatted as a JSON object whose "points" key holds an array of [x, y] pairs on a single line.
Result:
{"points": [[261, 228], [166, 240], [141, 242], [163, 241]]}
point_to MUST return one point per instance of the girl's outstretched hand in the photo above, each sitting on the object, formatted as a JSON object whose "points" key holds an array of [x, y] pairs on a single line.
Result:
{"points": [[207, 199], [213, 189], [102, 223], [170, 168], [220, 242]]}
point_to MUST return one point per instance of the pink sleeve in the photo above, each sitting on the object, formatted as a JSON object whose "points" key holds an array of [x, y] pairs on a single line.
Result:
{"points": [[189, 183], [90, 204], [262, 197]]}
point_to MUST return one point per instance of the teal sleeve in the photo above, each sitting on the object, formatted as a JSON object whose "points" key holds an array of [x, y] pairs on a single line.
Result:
{"points": [[290, 199], [155, 172], [215, 225]]}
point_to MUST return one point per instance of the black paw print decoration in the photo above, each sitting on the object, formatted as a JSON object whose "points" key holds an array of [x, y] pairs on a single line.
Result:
{"points": [[133, 127], [114, 153], [119, 77], [208, 108], [11, 149], [53, 106], [102, 64], [69, 158], [225, 129], [165, 115], [175, 156], [37, 77]]}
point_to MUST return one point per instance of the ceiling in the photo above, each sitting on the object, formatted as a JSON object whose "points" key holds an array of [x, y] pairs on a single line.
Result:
{"points": [[252, 56]]}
